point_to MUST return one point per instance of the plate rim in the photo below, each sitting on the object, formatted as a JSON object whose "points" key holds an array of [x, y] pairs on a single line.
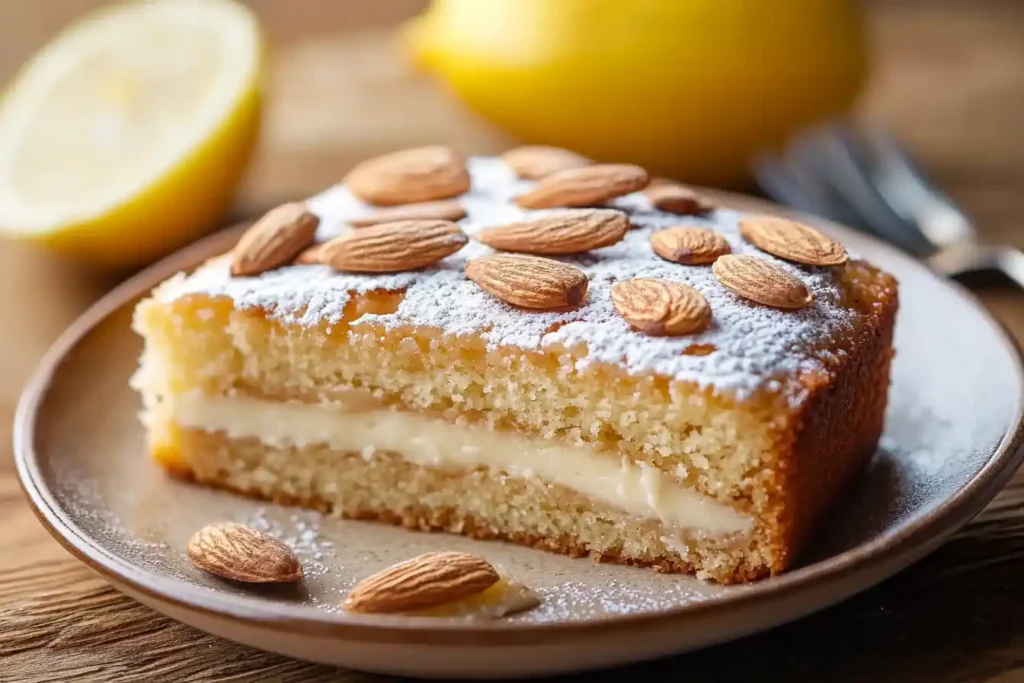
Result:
{"points": [[944, 520]]}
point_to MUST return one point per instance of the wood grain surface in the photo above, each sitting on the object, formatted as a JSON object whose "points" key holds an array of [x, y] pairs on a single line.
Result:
{"points": [[949, 80]]}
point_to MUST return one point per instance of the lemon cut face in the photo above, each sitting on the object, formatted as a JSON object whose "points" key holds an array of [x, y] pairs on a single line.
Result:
{"points": [[126, 135]]}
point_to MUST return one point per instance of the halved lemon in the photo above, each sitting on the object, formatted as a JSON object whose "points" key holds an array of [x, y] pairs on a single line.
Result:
{"points": [[126, 136]]}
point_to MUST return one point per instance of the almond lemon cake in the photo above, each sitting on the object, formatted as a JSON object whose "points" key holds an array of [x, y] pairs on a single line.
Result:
{"points": [[535, 348]]}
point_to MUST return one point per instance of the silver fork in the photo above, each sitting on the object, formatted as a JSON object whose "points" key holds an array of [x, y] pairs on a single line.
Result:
{"points": [[862, 178]]}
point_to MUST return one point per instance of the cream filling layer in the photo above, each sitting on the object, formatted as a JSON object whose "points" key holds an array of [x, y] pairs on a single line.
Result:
{"points": [[636, 488]]}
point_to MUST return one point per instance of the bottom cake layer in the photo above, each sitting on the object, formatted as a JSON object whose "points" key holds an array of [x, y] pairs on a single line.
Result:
{"points": [[476, 503]]}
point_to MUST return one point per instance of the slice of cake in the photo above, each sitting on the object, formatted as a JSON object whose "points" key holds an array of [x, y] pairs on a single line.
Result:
{"points": [[534, 349]]}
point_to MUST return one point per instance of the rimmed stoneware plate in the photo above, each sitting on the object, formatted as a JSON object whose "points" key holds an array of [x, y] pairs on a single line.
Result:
{"points": [[952, 440]]}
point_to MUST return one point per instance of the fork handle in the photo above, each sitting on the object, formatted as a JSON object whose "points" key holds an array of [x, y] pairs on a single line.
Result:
{"points": [[969, 256]]}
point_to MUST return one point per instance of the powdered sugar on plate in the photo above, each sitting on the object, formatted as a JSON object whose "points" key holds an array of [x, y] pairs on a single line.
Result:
{"points": [[753, 346]]}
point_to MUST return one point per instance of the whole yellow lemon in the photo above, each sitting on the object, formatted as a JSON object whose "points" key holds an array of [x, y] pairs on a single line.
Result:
{"points": [[687, 88]]}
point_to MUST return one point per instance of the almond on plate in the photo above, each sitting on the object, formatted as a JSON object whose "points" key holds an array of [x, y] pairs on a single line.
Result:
{"points": [[425, 581], [241, 553]]}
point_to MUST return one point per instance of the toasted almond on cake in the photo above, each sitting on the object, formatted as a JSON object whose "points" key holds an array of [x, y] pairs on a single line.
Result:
{"points": [[393, 247], [792, 241], [532, 162], [658, 181], [568, 232], [675, 198], [529, 281], [420, 174], [688, 245], [308, 257], [762, 282], [241, 553], [444, 210], [659, 307], [274, 240], [584, 186], [426, 581]]}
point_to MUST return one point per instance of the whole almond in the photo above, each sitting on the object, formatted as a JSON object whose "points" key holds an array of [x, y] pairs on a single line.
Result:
{"points": [[689, 246], [274, 240], [568, 232], [426, 581], [675, 198], [420, 174], [241, 553], [532, 162], [445, 210], [792, 241], [762, 282], [584, 186], [529, 281], [661, 307], [393, 247]]}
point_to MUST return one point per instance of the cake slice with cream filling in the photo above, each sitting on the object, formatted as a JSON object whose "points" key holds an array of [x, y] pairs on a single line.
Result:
{"points": [[553, 361]]}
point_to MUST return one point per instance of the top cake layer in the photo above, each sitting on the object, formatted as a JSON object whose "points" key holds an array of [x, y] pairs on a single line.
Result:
{"points": [[751, 346]]}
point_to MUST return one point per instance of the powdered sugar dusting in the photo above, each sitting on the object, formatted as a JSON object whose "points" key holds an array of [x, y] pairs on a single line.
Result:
{"points": [[753, 345]]}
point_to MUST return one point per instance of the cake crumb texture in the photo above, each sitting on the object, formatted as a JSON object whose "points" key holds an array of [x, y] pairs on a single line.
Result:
{"points": [[477, 504]]}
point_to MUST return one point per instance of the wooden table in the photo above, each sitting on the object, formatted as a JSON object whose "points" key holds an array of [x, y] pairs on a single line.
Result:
{"points": [[949, 80]]}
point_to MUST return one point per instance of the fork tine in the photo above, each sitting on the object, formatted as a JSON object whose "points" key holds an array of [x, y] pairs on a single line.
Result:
{"points": [[806, 168], [903, 231], [910, 194], [793, 184], [831, 152], [781, 185]]}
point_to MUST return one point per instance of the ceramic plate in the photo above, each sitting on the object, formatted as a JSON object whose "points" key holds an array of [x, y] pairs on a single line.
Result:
{"points": [[952, 440]]}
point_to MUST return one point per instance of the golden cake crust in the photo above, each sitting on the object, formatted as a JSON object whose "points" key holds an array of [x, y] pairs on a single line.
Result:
{"points": [[836, 432]]}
